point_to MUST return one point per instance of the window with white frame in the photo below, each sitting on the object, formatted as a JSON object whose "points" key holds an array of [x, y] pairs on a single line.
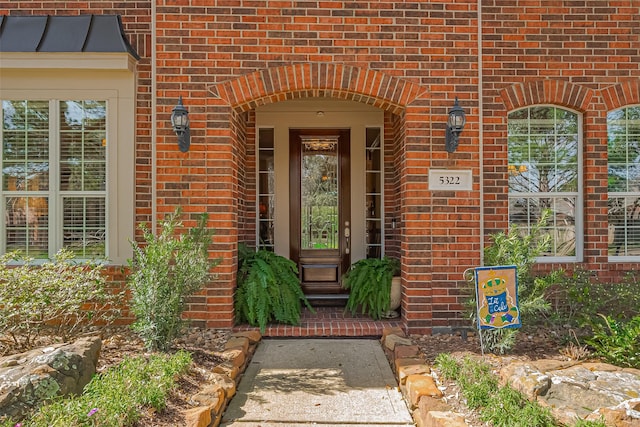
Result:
{"points": [[54, 177], [544, 146], [623, 129]]}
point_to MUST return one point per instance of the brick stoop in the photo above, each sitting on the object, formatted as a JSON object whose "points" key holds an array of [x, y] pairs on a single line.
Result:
{"points": [[416, 383], [331, 322]]}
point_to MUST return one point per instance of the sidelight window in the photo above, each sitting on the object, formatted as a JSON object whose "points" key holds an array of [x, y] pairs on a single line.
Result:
{"points": [[373, 193], [266, 189]]}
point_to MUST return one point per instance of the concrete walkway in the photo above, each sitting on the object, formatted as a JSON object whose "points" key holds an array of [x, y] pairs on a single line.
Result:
{"points": [[322, 382]]}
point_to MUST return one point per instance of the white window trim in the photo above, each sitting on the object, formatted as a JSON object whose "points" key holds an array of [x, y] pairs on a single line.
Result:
{"points": [[120, 160], [68, 60]]}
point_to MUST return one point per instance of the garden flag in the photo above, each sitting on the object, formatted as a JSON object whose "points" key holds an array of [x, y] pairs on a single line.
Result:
{"points": [[497, 297]]}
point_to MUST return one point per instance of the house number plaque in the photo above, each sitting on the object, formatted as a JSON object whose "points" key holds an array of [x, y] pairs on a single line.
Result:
{"points": [[451, 180]]}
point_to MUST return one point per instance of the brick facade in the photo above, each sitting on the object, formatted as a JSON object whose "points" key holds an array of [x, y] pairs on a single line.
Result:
{"points": [[407, 58]]}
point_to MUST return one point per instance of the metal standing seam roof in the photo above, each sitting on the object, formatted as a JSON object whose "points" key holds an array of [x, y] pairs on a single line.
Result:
{"points": [[81, 33]]}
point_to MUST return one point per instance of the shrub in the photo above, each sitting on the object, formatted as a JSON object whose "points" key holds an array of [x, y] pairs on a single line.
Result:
{"points": [[519, 247], [616, 341], [59, 297], [268, 288], [164, 272], [582, 299]]}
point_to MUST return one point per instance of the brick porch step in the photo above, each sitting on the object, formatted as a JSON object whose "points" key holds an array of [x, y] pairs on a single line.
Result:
{"points": [[328, 322]]}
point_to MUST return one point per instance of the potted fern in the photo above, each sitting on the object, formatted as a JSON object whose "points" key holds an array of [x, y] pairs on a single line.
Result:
{"points": [[268, 289], [369, 282]]}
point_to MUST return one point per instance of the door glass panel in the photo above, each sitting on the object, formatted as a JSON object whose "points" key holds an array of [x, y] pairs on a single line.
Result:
{"points": [[319, 198]]}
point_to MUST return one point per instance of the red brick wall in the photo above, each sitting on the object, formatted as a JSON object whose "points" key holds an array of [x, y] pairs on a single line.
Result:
{"points": [[583, 55], [409, 58]]}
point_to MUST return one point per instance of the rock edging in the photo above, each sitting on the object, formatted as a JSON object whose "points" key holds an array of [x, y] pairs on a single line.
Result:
{"points": [[214, 396], [575, 389], [567, 388], [416, 382]]}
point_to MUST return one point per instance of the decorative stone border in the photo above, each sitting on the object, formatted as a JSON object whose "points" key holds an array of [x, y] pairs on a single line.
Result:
{"points": [[221, 385], [416, 382], [578, 382]]}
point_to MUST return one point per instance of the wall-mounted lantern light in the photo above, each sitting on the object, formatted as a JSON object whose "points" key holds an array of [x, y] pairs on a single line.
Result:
{"points": [[455, 124], [180, 123]]}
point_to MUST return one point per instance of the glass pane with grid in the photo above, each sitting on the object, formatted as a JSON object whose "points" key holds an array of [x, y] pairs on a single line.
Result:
{"points": [[561, 227], [623, 151], [543, 169], [27, 225], [266, 189], [25, 176], [543, 150], [373, 193], [83, 146], [84, 226], [25, 146], [624, 226]]}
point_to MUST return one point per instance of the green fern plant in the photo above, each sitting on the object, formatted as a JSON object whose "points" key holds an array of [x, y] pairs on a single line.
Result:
{"points": [[268, 289], [369, 284]]}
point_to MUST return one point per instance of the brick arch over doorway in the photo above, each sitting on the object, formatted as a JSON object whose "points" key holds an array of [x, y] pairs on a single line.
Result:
{"points": [[319, 80], [230, 111]]}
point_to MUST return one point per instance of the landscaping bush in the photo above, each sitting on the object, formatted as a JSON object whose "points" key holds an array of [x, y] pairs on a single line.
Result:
{"points": [[164, 273], [603, 315], [616, 341], [581, 299], [519, 247], [59, 297]]}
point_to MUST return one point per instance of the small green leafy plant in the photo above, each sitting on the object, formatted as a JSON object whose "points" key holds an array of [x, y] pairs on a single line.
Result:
{"points": [[369, 285], [616, 341], [268, 289], [59, 297], [499, 406], [582, 298], [164, 273], [116, 397]]}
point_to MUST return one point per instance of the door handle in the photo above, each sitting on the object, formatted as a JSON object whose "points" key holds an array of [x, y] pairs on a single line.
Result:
{"points": [[347, 236]]}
